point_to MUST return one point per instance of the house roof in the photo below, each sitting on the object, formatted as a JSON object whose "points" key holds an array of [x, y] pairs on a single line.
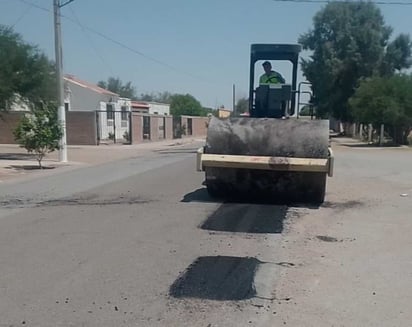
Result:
{"points": [[140, 105], [87, 85]]}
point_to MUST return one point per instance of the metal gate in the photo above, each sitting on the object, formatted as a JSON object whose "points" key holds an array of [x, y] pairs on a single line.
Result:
{"points": [[114, 126]]}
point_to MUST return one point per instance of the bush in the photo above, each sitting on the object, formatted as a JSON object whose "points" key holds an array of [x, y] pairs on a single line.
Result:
{"points": [[39, 132], [409, 138], [126, 136]]}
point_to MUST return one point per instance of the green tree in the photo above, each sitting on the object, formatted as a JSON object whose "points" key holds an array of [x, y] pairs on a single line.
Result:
{"points": [[185, 105], [25, 71], [349, 41], [382, 100], [39, 131], [306, 110], [115, 85], [162, 97], [242, 105]]}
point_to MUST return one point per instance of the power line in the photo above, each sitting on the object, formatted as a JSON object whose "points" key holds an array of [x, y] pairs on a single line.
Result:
{"points": [[23, 14], [31, 4], [92, 44], [108, 38], [395, 3]]}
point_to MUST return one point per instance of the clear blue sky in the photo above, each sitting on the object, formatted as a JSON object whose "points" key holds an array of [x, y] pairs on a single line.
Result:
{"points": [[204, 43]]}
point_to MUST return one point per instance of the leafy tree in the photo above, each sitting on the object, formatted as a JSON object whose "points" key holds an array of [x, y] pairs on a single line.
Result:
{"points": [[397, 56], [349, 41], [209, 111], [242, 105], [115, 85], [382, 100], [39, 132], [306, 110], [185, 105], [162, 97], [25, 71]]}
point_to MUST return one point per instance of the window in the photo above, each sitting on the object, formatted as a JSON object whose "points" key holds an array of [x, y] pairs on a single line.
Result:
{"points": [[66, 106], [124, 113], [109, 110], [125, 116]]}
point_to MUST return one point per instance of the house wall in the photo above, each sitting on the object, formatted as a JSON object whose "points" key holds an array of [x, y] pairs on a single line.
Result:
{"points": [[8, 123], [81, 128], [82, 99], [158, 108]]}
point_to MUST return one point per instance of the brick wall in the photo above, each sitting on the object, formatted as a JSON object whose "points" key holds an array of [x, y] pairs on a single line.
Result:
{"points": [[81, 128], [155, 133], [137, 128], [199, 125], [169, 127], [8, 123], [154, 128]]}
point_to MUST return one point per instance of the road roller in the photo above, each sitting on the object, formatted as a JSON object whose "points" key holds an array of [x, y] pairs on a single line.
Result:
{"points": [[273, 154]]}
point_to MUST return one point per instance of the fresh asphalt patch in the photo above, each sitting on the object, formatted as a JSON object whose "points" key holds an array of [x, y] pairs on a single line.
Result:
{"points": [[218, 278], [226, 278], [247, 218]]}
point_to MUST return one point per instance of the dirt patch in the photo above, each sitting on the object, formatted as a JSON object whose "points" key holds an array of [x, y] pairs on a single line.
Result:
{"points": [[327, 238], [80, 201], [342, 205]]}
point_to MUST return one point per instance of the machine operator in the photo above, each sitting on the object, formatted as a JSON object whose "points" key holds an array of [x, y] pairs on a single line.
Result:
{"points": [[270, 76]]}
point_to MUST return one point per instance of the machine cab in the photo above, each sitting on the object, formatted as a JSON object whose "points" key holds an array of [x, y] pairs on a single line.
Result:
{"points": [[273, 100]]}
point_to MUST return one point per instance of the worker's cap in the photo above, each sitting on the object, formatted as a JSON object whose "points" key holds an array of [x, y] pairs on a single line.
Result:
{"points": [[266, 63]]}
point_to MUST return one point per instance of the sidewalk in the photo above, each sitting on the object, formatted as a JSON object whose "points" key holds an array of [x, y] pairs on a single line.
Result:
{"points": [[16, 163]]}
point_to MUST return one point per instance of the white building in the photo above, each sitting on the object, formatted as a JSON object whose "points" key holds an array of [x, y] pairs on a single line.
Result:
{"points": [[156, 108]]}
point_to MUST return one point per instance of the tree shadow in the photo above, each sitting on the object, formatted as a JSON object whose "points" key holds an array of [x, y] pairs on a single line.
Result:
{"points": [[29, 167], [16, 156]]}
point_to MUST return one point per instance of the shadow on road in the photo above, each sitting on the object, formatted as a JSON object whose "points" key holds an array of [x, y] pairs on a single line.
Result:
{"points": [[199, 195], [217, 278], [372, 146], [244, 216], [176, 151]]}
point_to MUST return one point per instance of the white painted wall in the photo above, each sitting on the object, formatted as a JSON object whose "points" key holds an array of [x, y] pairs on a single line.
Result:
{"points": [[156, 108]]}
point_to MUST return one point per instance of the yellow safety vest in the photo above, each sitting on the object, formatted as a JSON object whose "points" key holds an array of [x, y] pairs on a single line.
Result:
{"points": [[272, 78]]}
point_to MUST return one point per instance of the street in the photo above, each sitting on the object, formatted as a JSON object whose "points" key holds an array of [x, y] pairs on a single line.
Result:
{"points": [[138, 242]]}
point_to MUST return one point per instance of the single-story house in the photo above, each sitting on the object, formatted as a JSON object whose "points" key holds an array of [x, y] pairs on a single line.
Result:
{"points": [[113, 112]]}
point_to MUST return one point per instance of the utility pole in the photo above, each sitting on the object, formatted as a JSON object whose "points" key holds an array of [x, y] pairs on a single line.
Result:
{"points": [[61, 114], [234, 100]]}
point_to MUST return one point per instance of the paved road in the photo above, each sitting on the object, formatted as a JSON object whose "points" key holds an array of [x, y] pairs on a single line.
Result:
{"points": [[139, 243]]}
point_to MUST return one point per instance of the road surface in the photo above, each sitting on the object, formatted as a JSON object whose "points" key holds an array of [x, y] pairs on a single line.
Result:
{"points": [[138, 242]]}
